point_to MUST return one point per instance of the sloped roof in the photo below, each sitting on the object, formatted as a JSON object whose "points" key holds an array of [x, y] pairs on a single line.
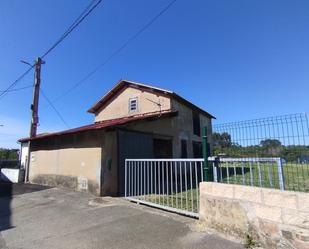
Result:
{"points": [[126, 83], [104, 124]]}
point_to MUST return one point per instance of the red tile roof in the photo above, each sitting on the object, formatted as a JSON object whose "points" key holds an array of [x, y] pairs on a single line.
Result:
{"points": [[104, 124]]}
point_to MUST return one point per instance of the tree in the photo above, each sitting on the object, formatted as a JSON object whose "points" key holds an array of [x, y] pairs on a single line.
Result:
{"points": [[270, 143], [222, 139], [271, 147], [8, 154]]}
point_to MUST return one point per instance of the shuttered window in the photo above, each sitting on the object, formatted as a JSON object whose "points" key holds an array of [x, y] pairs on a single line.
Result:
{"points": [[133, 104]]}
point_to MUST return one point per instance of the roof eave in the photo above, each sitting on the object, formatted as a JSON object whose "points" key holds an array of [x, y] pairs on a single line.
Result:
{"points": [[97, 105], [193, 106]]}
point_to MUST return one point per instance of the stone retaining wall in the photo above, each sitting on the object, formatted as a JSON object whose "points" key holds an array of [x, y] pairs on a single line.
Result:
{"points": [[274, 218]]}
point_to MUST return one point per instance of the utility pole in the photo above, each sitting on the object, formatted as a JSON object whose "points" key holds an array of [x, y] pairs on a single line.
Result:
{"points": [[34, 110], [35, 102]]}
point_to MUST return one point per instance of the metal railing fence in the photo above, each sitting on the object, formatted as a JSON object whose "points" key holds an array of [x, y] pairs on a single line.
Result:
{"points": [[259, 172], [285, 137]]}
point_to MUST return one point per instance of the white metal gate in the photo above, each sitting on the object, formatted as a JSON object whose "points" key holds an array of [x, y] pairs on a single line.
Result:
{"points": [[171, 184]]}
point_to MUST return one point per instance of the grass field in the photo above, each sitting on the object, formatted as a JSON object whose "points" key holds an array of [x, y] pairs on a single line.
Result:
{"points": [[296, 176], [186, 200]]}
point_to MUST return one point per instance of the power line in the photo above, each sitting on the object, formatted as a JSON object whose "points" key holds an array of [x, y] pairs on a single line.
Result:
{"points": [[76, 23], [54, 108], [117, 51], [5, 92], [73, 26], [18, 89]]}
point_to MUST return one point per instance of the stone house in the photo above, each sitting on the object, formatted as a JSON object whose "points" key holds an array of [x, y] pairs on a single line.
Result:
{"points": [[132, 120]]}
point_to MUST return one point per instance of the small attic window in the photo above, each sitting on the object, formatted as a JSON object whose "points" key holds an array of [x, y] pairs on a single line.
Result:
{"points": [[133, 105]]}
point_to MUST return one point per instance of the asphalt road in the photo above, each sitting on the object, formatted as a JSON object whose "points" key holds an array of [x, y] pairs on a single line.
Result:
{"points": [[35, 217], [10, 189]]}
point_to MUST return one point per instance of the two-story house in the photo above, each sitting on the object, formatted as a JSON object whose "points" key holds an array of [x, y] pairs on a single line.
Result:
{"points": [[132, 120]]}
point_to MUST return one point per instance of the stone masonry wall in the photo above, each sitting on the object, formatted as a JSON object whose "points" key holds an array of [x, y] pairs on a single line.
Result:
{"points": [[274, 218]]}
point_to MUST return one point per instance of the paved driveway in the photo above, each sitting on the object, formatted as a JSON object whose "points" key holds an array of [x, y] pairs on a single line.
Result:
{"points": [[57, 218]]}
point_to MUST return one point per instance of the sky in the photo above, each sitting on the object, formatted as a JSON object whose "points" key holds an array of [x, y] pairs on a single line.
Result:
{"points": [[236, 59]]}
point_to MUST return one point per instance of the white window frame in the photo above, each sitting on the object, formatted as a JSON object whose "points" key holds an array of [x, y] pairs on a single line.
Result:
{"points": [[136, 101]]}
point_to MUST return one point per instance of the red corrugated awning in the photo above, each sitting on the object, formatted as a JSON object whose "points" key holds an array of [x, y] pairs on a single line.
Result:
{"points": [[104, 124]]}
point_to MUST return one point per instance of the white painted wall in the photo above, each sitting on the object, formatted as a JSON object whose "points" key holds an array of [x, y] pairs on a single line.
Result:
{"points": [[24, 154], [9, 175]]}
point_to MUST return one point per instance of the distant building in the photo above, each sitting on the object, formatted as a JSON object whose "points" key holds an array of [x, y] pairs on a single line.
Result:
{"points": [[304, 159], [132, 120]]}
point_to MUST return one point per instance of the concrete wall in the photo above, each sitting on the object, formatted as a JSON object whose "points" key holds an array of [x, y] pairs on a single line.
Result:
{"points": [[10, 175], [76, 168], [178, 128], [274, 218], [118, 107], [79, 161], [184, 126]]}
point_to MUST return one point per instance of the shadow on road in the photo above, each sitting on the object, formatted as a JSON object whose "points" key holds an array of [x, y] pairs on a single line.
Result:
{"points": [[6, 190]]}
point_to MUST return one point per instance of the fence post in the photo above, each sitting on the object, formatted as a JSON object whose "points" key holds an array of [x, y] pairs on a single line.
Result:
{"points": [[215, 169], [280, 174], [205, 166], [125, 178]]}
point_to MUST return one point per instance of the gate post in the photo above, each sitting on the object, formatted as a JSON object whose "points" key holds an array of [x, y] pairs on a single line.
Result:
{"points": [[215, 168], [205, 166], [280, 174], [125, 177]]}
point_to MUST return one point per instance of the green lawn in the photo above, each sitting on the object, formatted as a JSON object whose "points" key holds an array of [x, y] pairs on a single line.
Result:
{"points": [[296, 176], [186, 200]]}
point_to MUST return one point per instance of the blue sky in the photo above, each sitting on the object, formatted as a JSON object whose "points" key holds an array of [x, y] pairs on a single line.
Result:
{"points": [[236, 59]]}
